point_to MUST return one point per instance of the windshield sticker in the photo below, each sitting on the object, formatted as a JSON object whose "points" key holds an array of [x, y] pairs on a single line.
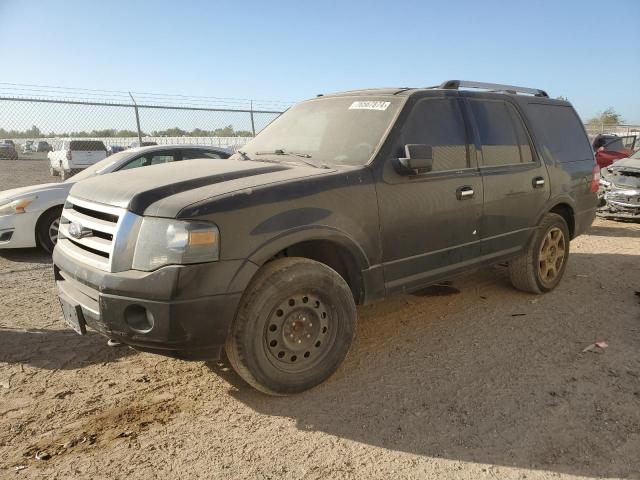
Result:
{"points": [[369, 105]]}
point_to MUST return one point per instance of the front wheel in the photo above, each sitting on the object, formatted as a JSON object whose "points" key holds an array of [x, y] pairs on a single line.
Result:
{"points": [[541, 267], [47, 228], [293, 328]]}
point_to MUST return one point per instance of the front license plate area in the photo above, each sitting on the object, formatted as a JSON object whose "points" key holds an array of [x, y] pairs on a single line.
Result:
{"points": [[73, 316]]}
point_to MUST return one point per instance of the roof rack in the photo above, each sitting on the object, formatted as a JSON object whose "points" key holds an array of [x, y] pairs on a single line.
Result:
{"points": [[495, 87]]}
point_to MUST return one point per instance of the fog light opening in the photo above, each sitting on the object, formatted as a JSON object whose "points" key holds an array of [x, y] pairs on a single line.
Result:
{"points": [[138, 318]]}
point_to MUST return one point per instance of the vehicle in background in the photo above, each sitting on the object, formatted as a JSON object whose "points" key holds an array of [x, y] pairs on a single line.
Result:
{"points": [[10, 142], [8, 151], [111, 149], [75, 155], [609, 148], [619, 193], [136, 144], [30, 216], [42, 146], [27, 147], [343, 199]]}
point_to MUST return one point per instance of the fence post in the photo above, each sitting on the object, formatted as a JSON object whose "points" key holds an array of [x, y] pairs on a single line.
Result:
{"points": [[135, 107], [253, 125]]}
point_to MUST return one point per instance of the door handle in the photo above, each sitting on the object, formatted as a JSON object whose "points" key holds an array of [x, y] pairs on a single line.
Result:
{"points": [[465, 192], [538, 182]]}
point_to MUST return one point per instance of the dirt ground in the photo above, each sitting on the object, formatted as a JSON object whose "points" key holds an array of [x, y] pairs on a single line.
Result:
{"points": [[472, 381]]}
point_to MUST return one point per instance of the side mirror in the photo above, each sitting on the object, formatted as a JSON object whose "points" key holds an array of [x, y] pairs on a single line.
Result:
{"points": [[418, 159]]}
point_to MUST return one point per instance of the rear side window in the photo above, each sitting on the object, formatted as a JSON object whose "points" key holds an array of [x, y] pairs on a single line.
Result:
{"points": [[560, 132], [192, 154], [438, 122], [502, 134], [87, 145]]}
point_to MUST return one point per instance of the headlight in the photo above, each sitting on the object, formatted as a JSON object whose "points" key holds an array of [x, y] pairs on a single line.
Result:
{"points": [[163, 241], [16, 206]]}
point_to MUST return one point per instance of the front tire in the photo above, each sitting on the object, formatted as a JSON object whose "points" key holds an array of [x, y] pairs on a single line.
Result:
{"points": [[47, 228], [541, 267], [293, 328]]}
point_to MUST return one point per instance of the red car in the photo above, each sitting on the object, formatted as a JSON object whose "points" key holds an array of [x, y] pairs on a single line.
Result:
{"points": [[610, 148]]}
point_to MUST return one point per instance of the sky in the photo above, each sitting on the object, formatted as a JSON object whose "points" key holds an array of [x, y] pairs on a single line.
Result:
{"points": [[587, 51]]}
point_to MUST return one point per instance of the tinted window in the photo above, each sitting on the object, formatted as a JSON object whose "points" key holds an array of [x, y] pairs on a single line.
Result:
{"points": [[439, 123], [560, 132], [190, 154], [86, 145], [155, 158], [502, 134]]}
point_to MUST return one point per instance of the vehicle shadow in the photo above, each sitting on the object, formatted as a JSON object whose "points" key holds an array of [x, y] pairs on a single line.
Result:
{"points": [[27, 255], [489, 375], [56, 349], [614, 231]]}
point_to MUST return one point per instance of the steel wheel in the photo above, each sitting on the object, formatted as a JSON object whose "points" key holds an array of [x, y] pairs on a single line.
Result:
{"points": [[53, 231], [298, 334], [551, 256]]}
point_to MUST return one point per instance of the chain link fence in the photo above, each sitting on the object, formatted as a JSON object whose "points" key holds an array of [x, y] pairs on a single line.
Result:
{"points": [[31, 114], [620, 130]]}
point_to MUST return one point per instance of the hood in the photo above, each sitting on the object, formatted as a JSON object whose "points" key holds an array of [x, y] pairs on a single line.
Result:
{"points": [[631, 163], [164, 190], [16, 193]]}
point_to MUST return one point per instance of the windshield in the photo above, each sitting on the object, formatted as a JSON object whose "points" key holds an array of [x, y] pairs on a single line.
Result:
{"points": [[98, 168], [337, 131]]}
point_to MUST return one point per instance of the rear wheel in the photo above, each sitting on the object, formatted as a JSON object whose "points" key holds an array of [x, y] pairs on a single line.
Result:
{"points": [[47, 228], [541, 267], [293, 328]]}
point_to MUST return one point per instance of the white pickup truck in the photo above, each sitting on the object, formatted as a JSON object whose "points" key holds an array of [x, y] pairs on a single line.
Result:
{"points": [[75, 155]]}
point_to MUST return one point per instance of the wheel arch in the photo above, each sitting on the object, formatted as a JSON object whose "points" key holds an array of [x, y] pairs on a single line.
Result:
{"points": [[566, 211], [326, 245]]}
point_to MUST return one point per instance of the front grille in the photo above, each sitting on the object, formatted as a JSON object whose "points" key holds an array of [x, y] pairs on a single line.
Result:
{"points": [[98, 224]]}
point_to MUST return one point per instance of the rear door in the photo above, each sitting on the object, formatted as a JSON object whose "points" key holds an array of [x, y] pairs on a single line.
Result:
{"points": [[515, 181]]}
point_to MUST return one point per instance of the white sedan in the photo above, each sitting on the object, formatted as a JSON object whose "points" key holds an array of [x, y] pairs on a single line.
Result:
{"points": [[30, 216]]}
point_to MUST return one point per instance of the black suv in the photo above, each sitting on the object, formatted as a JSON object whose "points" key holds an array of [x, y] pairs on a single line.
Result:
{"points": [[343, 200]]}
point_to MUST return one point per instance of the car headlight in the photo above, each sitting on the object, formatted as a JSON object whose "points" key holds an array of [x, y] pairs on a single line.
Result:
{"points": [[16, 206], [604, 183], [163, 241]]}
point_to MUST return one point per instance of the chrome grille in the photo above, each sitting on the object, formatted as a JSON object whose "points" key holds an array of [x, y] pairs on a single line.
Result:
{"points": [[98, 235]]}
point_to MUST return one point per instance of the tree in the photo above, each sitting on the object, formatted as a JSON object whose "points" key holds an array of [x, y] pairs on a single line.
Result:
{"points": [[608, 117]]}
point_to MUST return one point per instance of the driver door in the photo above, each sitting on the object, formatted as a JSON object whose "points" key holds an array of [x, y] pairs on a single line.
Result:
{"points": [[429, 228]]}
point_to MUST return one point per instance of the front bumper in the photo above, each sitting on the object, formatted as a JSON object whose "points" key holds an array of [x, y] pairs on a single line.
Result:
{"points": [[182, 311], [18, 230]]}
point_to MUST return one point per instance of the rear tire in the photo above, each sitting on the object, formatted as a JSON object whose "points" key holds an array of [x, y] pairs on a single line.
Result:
{"points": [[541, 267], [47, 228], [293, 328]]}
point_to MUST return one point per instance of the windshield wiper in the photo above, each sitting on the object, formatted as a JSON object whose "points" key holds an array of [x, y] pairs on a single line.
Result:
{"points": [[304, 157]]}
